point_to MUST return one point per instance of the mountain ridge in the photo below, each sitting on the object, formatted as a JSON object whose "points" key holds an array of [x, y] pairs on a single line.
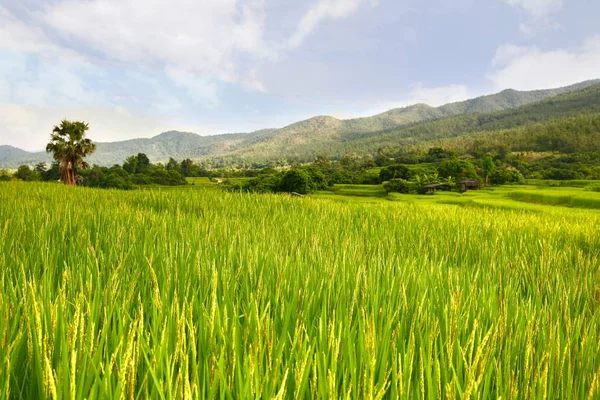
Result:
{"points": [[323, 130]]}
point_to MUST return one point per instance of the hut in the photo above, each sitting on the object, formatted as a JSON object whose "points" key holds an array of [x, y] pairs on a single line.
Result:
{"points": [[470, 184]]}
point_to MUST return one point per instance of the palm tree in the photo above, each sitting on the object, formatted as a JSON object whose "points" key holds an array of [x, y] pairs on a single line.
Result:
{"points": [[69, 146], [450, 181]]}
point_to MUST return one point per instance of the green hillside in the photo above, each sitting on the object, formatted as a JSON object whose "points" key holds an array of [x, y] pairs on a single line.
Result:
{"points": [[569, 105], [326, 135]]}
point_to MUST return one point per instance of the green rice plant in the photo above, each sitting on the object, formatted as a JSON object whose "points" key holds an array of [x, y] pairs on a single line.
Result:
{"points": [[568, 198], [208, 294]]}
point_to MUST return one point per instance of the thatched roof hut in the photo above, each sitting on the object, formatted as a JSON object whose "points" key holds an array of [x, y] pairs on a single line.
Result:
{"points": [[470, 184]]}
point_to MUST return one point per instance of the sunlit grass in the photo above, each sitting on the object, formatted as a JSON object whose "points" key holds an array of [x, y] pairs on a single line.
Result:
{"points": [[560, 197], [205, 294]]}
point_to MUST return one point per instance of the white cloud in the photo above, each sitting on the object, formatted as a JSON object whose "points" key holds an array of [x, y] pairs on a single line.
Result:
{"points": [[438, 96], [251, 82], [201, 90], [324, 10], [529, 68], [196, 45], [538, 8], [16, 35], [200, 37], [541, 14], [45, 79], [432, 96], [29, 127]]}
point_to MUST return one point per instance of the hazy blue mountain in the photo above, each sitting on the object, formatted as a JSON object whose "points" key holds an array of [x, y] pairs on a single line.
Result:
{"points": [[8, 152], [322, 134]]}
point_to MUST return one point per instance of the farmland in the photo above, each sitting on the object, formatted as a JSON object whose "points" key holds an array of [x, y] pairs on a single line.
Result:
{"points": [[197, 292]]}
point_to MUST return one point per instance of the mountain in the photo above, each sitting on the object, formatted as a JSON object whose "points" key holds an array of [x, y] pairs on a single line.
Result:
{"points": [[12, 157], [327, 136], [8, 152], [334, 137]]}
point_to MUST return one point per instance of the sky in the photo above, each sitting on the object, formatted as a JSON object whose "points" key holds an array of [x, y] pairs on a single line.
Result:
{"points": [[136, 68]]}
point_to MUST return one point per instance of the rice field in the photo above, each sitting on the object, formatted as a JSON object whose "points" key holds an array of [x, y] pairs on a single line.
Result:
{"points": [[207, 294], [561, 197]]}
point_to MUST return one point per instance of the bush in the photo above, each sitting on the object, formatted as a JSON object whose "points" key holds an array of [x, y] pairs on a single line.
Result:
{"points": [[141, 179], [399, 186], [394, 172], [562, 174], [296, 180], [262, 184], [115, 181], [501, 177], [457, 168], [24, 173]]}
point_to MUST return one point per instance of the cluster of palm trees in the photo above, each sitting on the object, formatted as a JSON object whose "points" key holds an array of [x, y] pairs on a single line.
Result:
{"points": [[69, 147], [428, 179]]}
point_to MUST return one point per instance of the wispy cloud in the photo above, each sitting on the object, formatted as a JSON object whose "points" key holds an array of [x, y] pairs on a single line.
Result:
{"points": [[30, 126], [541, 14], [432, 96], [528, 68], [321, 11], [538, 8], [202, 38]]}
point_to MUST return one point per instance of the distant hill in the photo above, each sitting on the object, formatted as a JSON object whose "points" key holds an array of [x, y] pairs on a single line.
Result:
{"points": [[8, 152], [331, 137], [328, 135]]}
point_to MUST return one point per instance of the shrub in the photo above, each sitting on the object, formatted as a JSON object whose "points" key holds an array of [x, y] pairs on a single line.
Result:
{"points": [[399, 186], [296, 180], [24, 173], [504, 176], [457, 168], [394, 172]]}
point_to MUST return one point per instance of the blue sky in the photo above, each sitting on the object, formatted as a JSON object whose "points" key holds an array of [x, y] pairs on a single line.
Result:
{"points": [[135, 68]]}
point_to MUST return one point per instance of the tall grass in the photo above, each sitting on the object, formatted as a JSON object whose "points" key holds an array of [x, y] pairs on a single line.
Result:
{"points": [[568, 198], [203, 294]]}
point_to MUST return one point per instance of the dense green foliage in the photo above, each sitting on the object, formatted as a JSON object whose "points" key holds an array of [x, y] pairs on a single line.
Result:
{"points": [[302, 180], [5, 175], [136, 171], [205, 294]]}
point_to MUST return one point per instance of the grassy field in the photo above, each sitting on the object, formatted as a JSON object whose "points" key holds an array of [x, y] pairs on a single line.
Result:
{"points": [[206, 294]]}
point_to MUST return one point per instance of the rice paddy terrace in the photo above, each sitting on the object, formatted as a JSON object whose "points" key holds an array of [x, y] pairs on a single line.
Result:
{"points": [[207, 294]]}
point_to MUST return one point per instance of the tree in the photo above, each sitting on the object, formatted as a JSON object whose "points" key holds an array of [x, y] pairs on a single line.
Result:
{"points": [[173, 165], [394, 172], [399, 186], [487, 166], [450, 181], [438, 154], [4, 175], [143, 162], [296, 180], [40, 168], [24, 173], [383, 158], [130, 164], [187, 167], [503, 176], [69, 147], [457, 168], [52, 174]]}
